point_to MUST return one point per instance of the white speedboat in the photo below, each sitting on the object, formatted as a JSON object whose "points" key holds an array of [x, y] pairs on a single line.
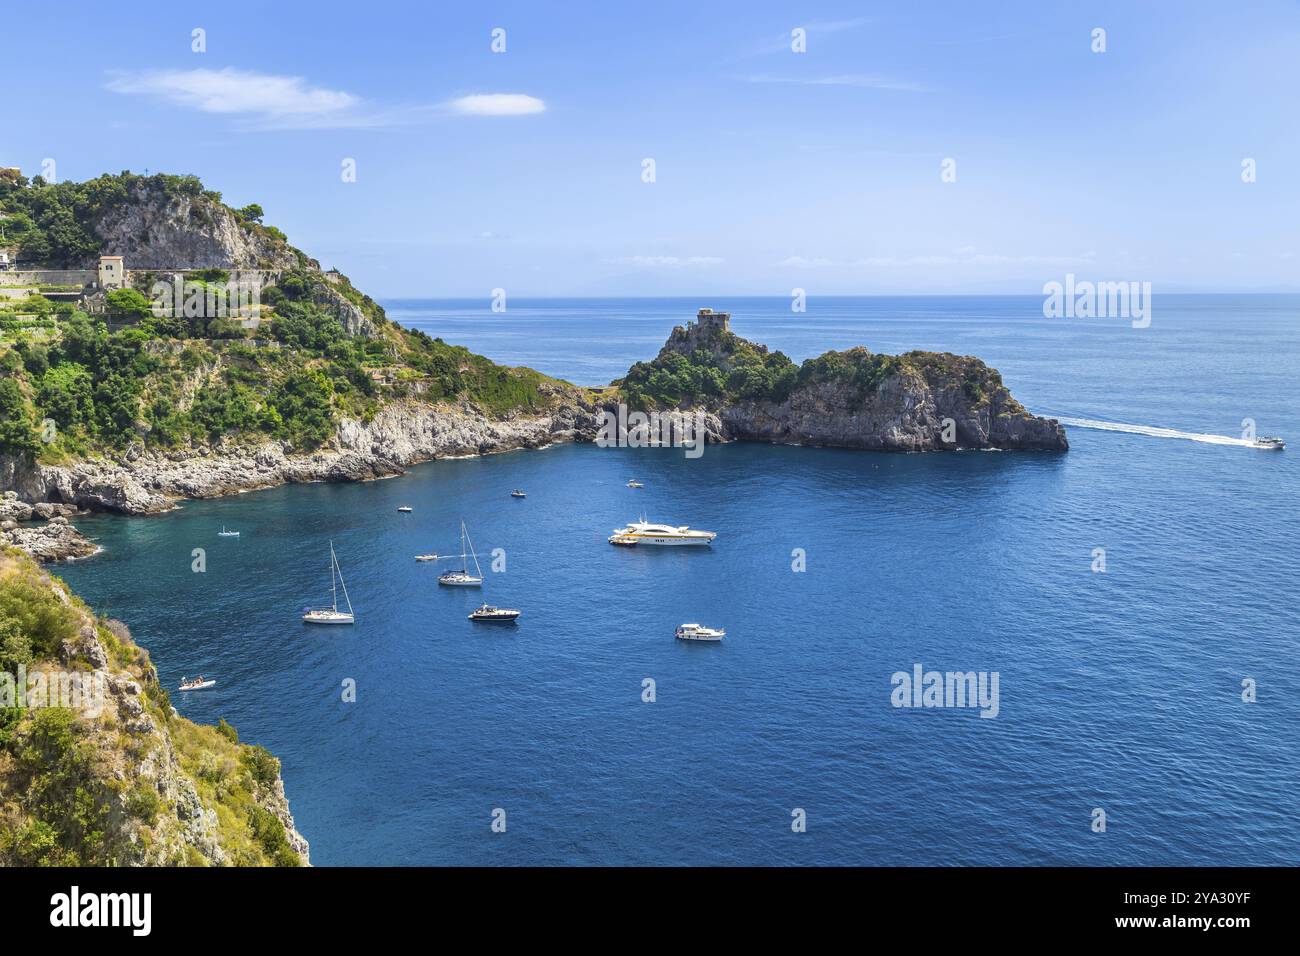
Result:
{"points": [[332, 614], [487, 614], [405, 509], [633, 483], [223, 533], [198, 683], [426, 557], [698, 632], [1270, 442], [462, 578], [517, 493], [645, 532]]}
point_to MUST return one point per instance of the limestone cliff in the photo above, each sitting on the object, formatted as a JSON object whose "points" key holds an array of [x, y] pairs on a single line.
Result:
{"points": [[113, 775], [159, 228], [918, 401]]}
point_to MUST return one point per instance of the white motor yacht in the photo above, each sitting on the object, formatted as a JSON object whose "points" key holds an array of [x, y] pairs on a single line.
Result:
{"points": [[645, 532], [698, 632]]}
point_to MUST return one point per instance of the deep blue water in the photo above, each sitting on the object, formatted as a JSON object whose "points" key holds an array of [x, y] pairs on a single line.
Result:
{"points": [[1119, 690]]}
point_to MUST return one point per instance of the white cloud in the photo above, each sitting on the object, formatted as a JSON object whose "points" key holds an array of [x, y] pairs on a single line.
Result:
{"points": [[497, 104], [262, 101], [236, 91]]}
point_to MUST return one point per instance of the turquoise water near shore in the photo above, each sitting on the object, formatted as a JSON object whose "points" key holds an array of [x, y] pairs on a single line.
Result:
{"points": [[1119, 690]]}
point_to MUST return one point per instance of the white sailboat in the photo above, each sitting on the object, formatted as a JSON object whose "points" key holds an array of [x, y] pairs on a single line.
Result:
{"points": [[462, 578], [332, 614]]}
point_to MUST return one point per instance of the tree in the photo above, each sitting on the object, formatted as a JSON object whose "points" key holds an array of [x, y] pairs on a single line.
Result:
{"points": [[250, 213], [128, 304], [16, 434]]}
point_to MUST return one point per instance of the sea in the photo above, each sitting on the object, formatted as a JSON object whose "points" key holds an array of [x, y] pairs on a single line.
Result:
{"points": [[1128, 607]]}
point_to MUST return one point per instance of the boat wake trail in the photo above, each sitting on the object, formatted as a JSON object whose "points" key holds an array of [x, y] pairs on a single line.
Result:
{"points": [[1155, 432]]}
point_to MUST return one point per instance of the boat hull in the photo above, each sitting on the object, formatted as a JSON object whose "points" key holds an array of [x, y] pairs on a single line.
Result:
{"points": [[661, 541], [452, 583], [331, 619]]}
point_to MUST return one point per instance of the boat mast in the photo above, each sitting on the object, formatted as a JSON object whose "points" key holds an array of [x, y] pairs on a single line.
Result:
{"points": [[334, 593], [343, 583], [478, 572]]}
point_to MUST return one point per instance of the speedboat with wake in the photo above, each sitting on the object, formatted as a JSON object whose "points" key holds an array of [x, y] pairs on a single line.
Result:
{"points": [[197, 683], [1270, 443]]}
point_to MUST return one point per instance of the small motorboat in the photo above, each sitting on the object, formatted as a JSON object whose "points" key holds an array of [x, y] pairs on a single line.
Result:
{"points": [[223, 533], [426, 557], [488, 614], [405, 509], [198, 683], [1270, 442], [517, 494], [633, 483], [698, 632]]}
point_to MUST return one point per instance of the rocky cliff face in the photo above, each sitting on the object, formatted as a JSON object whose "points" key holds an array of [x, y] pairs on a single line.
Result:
{"points": [[402, 434], [157, 230], [920, 401], [116, 776], [915, 410]]}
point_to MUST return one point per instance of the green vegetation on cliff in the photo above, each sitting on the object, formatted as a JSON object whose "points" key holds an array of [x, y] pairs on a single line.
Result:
{"points": [[316, 349], [109, 788], [715, 366]]}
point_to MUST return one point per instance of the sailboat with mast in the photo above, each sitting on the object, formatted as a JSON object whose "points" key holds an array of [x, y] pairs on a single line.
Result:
{"points": [[462, 578], [332, 614]]}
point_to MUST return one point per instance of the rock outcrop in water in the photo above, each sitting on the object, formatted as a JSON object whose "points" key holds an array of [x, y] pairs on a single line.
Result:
{"points": [[919, 401]]}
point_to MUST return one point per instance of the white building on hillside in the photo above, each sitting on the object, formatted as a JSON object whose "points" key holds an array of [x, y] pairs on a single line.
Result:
{"points": [[112, 272]]}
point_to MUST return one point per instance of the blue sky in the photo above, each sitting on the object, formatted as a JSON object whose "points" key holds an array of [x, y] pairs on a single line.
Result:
{"points": [[773, 169]]}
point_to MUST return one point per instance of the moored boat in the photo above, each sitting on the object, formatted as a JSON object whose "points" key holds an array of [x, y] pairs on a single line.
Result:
{"points": [[197, 683], [698, 632], [461, 578], [332, 614], [489, 614], [645, 532]]}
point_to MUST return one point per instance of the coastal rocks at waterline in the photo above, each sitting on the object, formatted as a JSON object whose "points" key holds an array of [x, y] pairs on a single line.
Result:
{"points": [[907, 413], [56, 540], [402, 434]]}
